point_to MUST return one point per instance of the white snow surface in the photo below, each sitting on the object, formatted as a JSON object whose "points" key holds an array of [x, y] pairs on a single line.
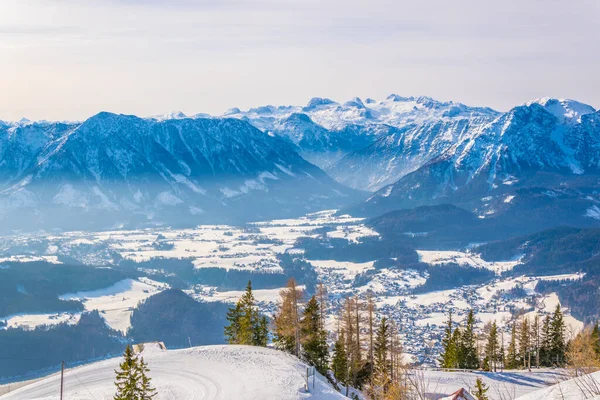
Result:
{"points": [[436, 257], [502, 385], [32, 321], [209, 372], [116, 303], [582, 387]]}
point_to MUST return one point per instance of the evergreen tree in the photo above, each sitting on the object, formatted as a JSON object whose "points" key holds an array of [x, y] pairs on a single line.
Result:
{"points": [[511, 356], [381, 376], [596, 339], [536, 339], [248, 318], [525, 343], [146, 391], [339, 364], [128, 377], [448, 356], [458, 349], [246, 326], [469, 346], [491, 348], [480, 390], [313, 336], [546, 345], [557, 337], [232, 331], [261, 332]]}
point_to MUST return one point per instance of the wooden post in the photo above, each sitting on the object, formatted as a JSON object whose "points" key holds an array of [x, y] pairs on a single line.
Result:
{"points": [[62, 378], [307, 389]]}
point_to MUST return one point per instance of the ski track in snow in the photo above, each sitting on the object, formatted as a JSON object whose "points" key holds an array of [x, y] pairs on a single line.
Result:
{"points": [[208, 373]]}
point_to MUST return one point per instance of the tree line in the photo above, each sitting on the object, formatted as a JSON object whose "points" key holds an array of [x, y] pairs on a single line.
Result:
{"points": [[366, 351], [360, 348], [532, 342]]}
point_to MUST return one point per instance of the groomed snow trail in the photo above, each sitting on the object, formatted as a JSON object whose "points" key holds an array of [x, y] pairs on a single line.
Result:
{"points": [[208, 372]]}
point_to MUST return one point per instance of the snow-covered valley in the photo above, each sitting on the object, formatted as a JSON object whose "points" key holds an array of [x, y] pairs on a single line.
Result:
{"points": [[257, 249]]}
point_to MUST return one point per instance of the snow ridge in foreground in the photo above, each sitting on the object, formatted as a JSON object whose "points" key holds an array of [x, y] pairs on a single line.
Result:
{"points": [[209, 372]]}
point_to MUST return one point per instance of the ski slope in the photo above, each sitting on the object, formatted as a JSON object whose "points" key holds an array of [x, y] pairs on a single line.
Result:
{"points": [[208, 372]]}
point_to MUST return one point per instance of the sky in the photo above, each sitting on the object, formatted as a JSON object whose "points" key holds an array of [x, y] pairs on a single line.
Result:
{"points": [[69, 59]]}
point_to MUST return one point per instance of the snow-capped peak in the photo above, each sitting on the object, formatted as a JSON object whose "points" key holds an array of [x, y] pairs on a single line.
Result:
{"points": [[566, 110], [395, 97], [232, 111], [168, 116], [355, 102], [316, 102]]}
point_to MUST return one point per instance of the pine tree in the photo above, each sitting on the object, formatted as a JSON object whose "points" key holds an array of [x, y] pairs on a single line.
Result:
{"points": [[248, 319], [480, 390], [448, 356], [469, 347], [524, 344], [596, 339], [557, 337], [246, 325], [232, 330], [313, 336], [511, 357], [536, 339], [457, 345], [146, 391], [546, 346], [491, 348], [381, 376], [127, 377], [339, 364], [261, 332]]}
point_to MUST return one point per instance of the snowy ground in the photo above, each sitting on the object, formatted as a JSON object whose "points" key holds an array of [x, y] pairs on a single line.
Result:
{"points": [[210, 372], [502, 385], [464, 259], [31, 321], [117, 302], [582, 387], [243, 372]]}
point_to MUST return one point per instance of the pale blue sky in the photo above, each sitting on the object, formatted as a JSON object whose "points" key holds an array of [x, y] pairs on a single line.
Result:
{"points": [[68, 59]]}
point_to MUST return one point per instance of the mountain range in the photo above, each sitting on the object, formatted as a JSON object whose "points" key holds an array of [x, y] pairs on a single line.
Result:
{"points": [[276, 161]]}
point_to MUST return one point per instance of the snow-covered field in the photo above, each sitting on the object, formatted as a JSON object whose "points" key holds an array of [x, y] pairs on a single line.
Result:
{"points": [[464, 259], [31, 321], [210, 372], [117, 302]]}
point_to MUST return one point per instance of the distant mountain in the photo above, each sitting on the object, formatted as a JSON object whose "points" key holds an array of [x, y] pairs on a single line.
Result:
{"points": [[373, 142], [546, 152], [124, 170]]}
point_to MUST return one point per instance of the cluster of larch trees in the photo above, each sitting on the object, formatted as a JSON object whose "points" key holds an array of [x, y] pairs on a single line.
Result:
{"points": [[366, 352], [532, 342]]}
